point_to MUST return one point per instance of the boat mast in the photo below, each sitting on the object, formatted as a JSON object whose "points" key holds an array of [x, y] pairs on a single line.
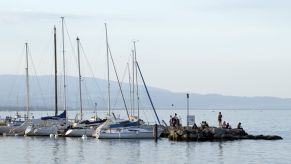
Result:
{"points": [[108, 77], [56, 72], [130, 92], [27, 81], [122, 95], [95, 110], [152, 104], [136, 81], [64, 65], [80, 78], [133, 86]]}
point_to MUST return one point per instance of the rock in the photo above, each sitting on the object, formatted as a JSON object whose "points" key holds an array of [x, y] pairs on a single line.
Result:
{"points": [[218, 131], [269, 137], [193, 136], [165, 133], [250, 137], [275, 138], [239, 132]]}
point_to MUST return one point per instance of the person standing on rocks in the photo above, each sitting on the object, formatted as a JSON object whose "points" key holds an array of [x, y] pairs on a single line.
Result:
{"points": [[220, 119]]}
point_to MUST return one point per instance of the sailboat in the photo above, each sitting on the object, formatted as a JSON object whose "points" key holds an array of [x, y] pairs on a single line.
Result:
{"points": [[126, 129], [13, 125], [50, 125], [18, 124], [83, 127], [129, 129]]}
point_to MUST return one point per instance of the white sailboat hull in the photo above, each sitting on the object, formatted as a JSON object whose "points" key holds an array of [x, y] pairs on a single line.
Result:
{"points": [[46, 128], [80, 132], [14, 130], [127, 133], [141, 135], [19, 130], [42, 131]]}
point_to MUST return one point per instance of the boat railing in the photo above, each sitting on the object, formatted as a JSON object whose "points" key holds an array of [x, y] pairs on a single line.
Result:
{"points": [[149, 123]]}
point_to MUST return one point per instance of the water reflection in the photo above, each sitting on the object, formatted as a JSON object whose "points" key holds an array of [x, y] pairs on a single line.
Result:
{"points": [[28, 149], [188, 152], [220, 151], [51, 150], [81, 150], [55, 150]]}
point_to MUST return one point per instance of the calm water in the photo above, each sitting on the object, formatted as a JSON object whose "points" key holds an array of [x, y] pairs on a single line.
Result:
{"points": [[77, 150]]}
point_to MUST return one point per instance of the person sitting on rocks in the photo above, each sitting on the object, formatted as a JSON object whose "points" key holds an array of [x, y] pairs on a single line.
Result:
{"points": [[194, 126], [224, 124], [204, 125], [239, 125], [228, 126]]}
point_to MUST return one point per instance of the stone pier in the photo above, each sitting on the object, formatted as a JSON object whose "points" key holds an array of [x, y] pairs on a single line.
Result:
{"points": [[212, 134]]}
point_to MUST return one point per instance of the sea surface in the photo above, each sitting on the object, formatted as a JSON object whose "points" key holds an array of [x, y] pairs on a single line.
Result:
{"points": [[43, 150]]}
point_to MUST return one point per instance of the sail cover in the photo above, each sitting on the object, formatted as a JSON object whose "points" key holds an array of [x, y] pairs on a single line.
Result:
{"points": [[61, 116]]}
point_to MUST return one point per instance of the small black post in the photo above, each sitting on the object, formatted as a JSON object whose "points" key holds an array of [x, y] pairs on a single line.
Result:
{"points": [[156, 132]]}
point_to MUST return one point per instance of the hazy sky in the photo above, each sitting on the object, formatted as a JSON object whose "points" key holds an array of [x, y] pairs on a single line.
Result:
{"points": [[230, 47]]}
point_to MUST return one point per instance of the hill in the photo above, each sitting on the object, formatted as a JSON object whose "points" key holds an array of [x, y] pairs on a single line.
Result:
{"points": [[12, 95]]}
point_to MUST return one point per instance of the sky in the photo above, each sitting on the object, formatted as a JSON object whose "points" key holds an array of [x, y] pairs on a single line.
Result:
{"points": [[229, 47]]}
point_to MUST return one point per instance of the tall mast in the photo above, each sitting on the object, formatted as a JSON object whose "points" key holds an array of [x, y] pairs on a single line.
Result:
{"points": [[130, 92], [108, 77], [133, 84], [136, 81], [56, 72], [80, 84], [64, 65], [27, 81]]}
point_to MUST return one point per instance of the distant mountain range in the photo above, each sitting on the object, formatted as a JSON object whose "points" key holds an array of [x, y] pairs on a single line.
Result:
{"points": [[13, 95]]}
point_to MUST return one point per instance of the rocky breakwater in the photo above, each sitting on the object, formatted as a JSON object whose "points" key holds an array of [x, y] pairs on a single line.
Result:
{"points": [[213, 134]]}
